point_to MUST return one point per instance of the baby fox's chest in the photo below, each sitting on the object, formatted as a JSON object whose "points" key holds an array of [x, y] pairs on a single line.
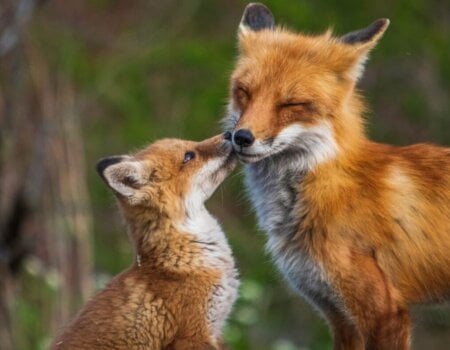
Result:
{"points": [[221, 300], [215, 255]]}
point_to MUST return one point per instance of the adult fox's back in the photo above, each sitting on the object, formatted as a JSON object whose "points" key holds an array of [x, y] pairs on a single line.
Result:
{"points": [[361, 229]]}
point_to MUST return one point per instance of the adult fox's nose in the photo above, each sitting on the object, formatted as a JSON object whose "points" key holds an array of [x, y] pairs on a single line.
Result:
{"points": [[243, 138]]}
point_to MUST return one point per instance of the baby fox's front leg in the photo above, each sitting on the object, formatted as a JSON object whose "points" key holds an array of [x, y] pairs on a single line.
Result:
{"points": [[189, 344]]}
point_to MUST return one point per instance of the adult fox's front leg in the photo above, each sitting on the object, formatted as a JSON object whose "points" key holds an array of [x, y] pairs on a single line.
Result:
{"points": [[382, 320], [346, 336]]}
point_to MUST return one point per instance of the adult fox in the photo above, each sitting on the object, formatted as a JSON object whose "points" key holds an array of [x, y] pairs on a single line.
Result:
{"points": [[360, 229]]}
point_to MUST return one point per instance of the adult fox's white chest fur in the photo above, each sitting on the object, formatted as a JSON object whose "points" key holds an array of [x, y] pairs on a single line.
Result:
{"points": [[361, 229]]}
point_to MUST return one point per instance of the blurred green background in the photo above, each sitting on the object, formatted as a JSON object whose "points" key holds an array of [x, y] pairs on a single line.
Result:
{"points": [[106, 77]]}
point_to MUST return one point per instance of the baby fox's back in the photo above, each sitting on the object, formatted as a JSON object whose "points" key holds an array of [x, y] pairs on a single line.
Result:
{"points": [[141, 309]]}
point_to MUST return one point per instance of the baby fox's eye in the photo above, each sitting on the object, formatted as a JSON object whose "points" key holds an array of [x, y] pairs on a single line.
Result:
{"points": [[188, 156]]}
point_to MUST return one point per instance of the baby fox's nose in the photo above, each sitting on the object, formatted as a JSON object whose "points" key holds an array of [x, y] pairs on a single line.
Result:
{"points": [[227, 135], [243, 138]]}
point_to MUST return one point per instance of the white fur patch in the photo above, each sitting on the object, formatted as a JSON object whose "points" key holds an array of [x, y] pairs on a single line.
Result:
{"points": [[209, 236], [203, 184], [313, 144], [357, 71], [243, 29]]}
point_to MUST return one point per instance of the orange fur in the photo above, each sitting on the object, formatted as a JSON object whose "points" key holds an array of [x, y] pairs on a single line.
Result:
{"points": [[163, 300], [375, 219]]}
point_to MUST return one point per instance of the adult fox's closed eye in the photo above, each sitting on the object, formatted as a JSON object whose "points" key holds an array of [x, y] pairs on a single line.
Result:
{"points": [[360, 229]]}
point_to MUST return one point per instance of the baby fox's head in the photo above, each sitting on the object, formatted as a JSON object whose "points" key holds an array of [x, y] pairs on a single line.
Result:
{"points": [[169, 177], [296, 92]]}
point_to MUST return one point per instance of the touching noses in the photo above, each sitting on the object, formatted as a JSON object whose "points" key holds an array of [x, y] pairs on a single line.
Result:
{"points": [[243, 138]]}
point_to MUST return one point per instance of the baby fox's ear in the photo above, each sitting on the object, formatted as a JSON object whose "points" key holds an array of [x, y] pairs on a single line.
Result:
{"points": [[123, 174], [361, 42], [256, 17]]}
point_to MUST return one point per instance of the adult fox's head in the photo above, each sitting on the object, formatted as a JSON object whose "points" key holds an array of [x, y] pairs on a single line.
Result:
{"points": [[296, 92]]}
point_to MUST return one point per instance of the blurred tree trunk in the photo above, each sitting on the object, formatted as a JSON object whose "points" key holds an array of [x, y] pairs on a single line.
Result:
{"points": [[66, 206], [44, 203], [15, 149]]}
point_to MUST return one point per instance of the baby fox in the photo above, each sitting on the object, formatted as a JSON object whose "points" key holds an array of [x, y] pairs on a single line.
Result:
{"points": [[360, 229], [183, 283]]}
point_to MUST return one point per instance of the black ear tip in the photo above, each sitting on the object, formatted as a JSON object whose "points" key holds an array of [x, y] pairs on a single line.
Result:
{"points": [[381, 23], [256, 6], [103, 163], [366, 34], [257, 16]]}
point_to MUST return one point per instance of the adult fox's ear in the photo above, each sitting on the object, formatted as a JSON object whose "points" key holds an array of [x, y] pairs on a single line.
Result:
{"points": [[256, 17], [361, 42], [370, 34], [123, 174]]}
